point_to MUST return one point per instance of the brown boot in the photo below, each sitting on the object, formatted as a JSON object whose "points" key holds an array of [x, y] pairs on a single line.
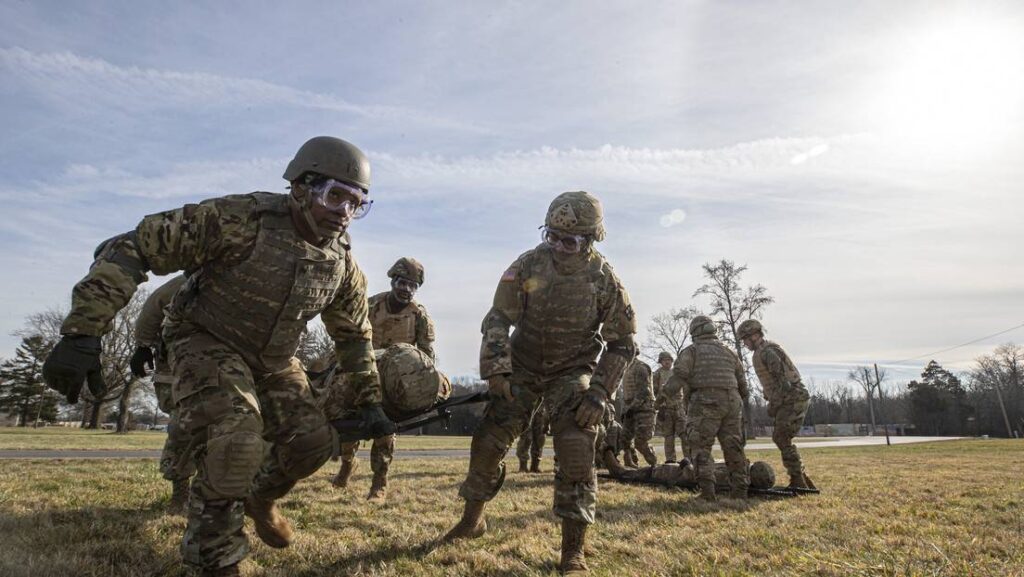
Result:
{"points": [[611, 463], [798, 481], [272, 528], [229, 571], [344, 474], [178, 504], [628, 459], [535, 465], [522, 466], [378, 489], [574, 537], [472, 524]]}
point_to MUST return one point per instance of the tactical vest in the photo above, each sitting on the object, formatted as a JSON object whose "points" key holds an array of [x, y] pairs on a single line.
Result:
{"points": [[661, 377], [771, 388], [261, 305], [559, 325], [391, 329], [634, 378], [714, 366]]}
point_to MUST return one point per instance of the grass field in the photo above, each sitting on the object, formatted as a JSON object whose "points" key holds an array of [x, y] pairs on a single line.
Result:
{"points": [[951, 508]]}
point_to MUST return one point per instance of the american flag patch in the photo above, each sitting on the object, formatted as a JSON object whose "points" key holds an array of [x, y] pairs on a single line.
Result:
{"points": [[509, 275]]}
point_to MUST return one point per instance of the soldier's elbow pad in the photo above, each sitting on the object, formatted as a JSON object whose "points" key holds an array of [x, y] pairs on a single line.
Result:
{"points": [[123, 250], [625, 347]]}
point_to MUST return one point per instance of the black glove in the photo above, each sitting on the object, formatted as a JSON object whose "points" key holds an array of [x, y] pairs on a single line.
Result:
{"points": [[376, 422], [141, 358], [75, 360]]}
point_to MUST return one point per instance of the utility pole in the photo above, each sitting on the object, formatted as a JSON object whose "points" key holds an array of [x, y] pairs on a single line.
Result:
{"points": [[878, 383], [1006, 419]]}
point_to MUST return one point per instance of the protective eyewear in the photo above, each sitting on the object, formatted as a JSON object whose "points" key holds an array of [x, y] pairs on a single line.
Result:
{"points": [[570, 243], [404, 283], [342, 197]]}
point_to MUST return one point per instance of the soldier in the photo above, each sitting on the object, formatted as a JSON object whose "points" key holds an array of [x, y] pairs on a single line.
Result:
{"points": [[565, 303], [638, 415], [671, 412], [787, 397], [609, 438], [395, 318], [531, 442], [264, 265], [714, 387], [175, 465]]}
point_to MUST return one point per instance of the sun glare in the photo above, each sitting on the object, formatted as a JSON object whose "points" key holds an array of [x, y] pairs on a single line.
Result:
{"points": [[956, 86]]}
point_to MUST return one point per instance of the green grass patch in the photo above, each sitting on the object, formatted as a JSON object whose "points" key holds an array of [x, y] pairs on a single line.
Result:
{"points": [[950, 508]]}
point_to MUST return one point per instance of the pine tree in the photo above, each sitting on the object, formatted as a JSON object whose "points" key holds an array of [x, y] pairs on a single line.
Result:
{"points": [[22, 390]]}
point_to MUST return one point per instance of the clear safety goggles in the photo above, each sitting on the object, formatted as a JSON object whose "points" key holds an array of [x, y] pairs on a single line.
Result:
{"points": [[404, 283], [570, 243], [341, 197]]}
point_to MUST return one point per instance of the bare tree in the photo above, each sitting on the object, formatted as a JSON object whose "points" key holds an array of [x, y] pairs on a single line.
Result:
{"points": [[1000, 373], [668, 331], [865, 379], [731, 304], [316, 348]]}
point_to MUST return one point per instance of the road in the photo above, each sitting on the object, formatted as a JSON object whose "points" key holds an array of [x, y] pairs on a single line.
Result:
{"points": [[459, 453]]}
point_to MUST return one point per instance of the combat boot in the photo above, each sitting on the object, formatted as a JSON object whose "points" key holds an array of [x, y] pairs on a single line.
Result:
{"points": [[344, 474], [707, 492], [522, 466], [611, 463], [229, 571], [378, 489], [272, 528], [628, 459], [472, 524], [798, 481], [179, 497], [574, 536], [535, 465]]}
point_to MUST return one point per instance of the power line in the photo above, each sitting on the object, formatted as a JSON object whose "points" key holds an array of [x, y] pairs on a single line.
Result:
{"points": [[978, 340]]}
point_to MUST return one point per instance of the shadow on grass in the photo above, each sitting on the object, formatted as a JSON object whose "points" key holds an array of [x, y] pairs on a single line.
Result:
{"points": [[85, 542]]}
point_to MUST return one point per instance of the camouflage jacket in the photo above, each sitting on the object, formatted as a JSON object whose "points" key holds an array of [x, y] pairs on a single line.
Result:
{"points": [[779, 377], [562, 320], [660, 379], [691, 371], [151, 317], [411, 325], [218, 233]]}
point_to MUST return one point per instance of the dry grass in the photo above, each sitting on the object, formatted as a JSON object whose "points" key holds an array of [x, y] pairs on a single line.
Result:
{"points": [[952, 508]]}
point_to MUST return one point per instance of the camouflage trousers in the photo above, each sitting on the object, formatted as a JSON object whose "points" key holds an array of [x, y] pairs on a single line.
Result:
{"points": [[174, 462], [531, 441], [789, 417], [382, 452], [717, 413], [257, 435], [637, 431], [575, 477], [673, 420], [609, 436]]}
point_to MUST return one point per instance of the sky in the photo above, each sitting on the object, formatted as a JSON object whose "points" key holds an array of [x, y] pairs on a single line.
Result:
{"points": [[863, 160]]}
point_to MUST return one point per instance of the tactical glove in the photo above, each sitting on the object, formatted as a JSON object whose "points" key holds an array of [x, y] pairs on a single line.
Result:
{"points": [[75, 360], [591, 409], [141, 358], [499, 386], [376, 423]]}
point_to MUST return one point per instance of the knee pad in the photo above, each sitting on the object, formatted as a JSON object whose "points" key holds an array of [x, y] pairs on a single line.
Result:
{"points": [[304, 453], [575, 449], [232, 460]]}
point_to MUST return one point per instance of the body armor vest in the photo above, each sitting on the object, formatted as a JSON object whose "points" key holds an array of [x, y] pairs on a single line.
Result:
{"points": [[661, 377], [559, 326], [771, 388], [391, 329], [714, 366], [261, 305], [634, 378]]}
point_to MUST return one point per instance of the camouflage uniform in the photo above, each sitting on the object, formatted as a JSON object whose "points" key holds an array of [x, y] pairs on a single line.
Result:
{"points": [[787, 400], [175, 465], [531, 442], [562, 319], [714, 386], [231, 332], [671, 415], [609, 436], [638, 418], [411, 325], [761, 474]]}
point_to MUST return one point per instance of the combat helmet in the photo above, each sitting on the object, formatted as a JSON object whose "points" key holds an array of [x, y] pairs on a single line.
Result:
{"points": [[762, 475], [702, 325], [663, 355], [577, 212], [408, 268], [749, 327], [333, 157]]}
